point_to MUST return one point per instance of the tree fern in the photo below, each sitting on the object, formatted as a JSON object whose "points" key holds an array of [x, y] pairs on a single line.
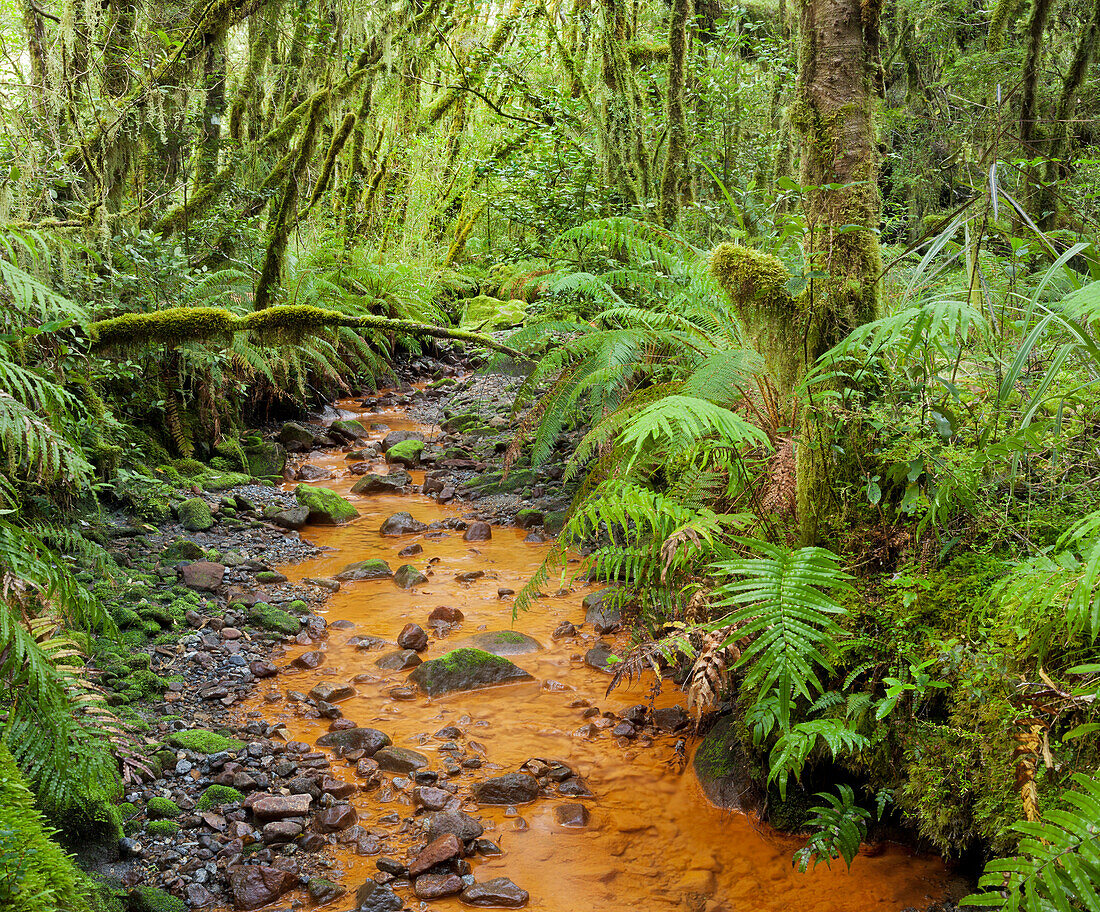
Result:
{"points": [[783, 604], [1058, 864]]}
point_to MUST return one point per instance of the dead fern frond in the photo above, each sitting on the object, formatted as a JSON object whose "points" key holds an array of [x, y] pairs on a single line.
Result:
{"points": [[1026, 753], [709, 676]]}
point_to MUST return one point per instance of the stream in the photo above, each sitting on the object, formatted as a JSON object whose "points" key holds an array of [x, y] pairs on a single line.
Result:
{"points": [[652, 841]]}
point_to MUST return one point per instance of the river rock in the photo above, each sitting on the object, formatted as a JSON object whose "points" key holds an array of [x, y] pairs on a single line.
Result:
{"points": [[395, 437], [280, 832], [400, 760], [401, 524], [325, 507], [335, 818], [332, 693], [670, 718], [440, 850], [311, 472], [466, 669], [290, 518], [478, 532], [297, 437], [203, 575], [511, 788], [376, 897], [461, 825], [430, 798], [253, 886], [277, 807], [436, 886], [348, 430], [498, 893], [500, 643], [373, 483], [406, 453], [309, 660], [323, 891], [414, 637], [410, 550], [368, 740], [365, 570], [407, 576], [398, 660], [574, 788], [601, 658], [602, 610], [721, 766], [445, 614], [572, 816]]}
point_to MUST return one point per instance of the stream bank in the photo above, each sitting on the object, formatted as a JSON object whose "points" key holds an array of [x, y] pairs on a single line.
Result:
{"points": [[609, 807]]}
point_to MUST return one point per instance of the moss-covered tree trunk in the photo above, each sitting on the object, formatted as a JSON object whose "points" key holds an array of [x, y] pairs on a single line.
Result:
{"points": [[676, 153], [208, 140]]}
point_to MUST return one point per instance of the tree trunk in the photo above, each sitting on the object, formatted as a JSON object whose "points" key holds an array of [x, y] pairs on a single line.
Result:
{"points": [[208, 139], [676, 154]]}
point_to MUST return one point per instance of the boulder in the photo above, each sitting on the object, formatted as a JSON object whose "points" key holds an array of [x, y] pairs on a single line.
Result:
{"points": [[182, 549], [400, 760], [528, 519], [414, 637], [332, 693], [376, 897], [204, 575], [325, 506], [723, 769], [395, 437], [254, 886], [195, 515], [406, 453], [311, 472], [445, 614], [290, 518], [603, 610], [265, 458], [500, 643], [455, 822], [335, 818], [478, 532], [373, 483], [365, 570], [509, 789], [498, 893], [278, 807], [401, 524], [348, 430], [601, 658], [369, 740], [407, 577], [298, 438], [466, 669]]}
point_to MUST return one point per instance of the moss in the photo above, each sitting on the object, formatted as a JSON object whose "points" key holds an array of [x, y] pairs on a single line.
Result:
{"points": [[158, 808], [485, 313], [324, 505], [195, 515], [223, 481], [170, 326], [203, 742], [150, 899], [274, 619], [191, 468], [298, 606], [148, 497], [217, 795], [37, 875], [406, 453], [161, 829]]}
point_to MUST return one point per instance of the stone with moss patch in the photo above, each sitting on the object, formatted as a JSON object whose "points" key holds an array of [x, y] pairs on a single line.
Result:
{"points": [[182, 549], [274, 619], [158, 808], [500, 642], [195, 515], [484, 312], [160, 829], [217, 795], [466, 669], [150, 899], [223, 481], [325, 506], [406, 453], [407, 576], [265, 458], [201, 741]]}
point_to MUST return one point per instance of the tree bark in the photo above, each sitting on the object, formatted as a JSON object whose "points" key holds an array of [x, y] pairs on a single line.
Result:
{"points": [[676, 153]]}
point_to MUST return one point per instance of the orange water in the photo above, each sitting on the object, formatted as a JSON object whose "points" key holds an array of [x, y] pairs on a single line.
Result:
{"points": [[653, 841]]}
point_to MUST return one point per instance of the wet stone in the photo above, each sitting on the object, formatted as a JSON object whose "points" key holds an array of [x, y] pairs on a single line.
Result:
{"points": [[335, 818], [437, 886], [375, 897], [499, 892], [430, 799], [253, 886], [572, 816], [445, 614], [276, 807], [280, 831], [368, 740], [400, 760], [401, 524], [478, 532], [461, 825], [399, 660], [601, 658], [439, 851], [509, 789], [332, 693], [309, 660], [602, 610], [411, 550], [408, 577]]}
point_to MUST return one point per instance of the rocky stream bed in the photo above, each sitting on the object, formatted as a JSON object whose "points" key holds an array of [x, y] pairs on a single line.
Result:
{"points": [[346, 714]]}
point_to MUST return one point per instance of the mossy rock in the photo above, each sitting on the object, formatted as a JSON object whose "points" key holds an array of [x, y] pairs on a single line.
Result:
{"points": [[265, 458], [148, 497], [182, 549], [495, 483], [500, 642], [150, 899], [486, 313], [466, 669], [325, 507], [461, 422], [161, 829], [217, 795], [555, 521], [224, 481], [722, 768], [201, 741], [406, 453], [45, 877], [407, 577], [125, 617], [159, 808], [195, 515], [351, 430], [189, 468], [276, 620]]}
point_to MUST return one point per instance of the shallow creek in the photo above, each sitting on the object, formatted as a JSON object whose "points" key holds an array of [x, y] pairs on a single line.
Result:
{"points": [[652, 842]]}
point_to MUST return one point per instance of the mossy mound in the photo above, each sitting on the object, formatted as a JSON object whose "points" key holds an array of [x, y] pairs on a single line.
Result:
{"points": [[500, 642], [217, 795], [195, 515], [37, 875], [325, 506], [406, 453], [148, 497], [181, 549], [484, 312], [465, 669], [162, 828], [265, 458], [158, 808], [203, 742], [150, 899], [223, 481], [274, 619]]}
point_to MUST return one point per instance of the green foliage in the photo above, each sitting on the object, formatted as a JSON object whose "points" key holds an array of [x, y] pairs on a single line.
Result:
{"points": [[217, 795], [1058, 866], [203, 742], [159, 808], [839, 826]]}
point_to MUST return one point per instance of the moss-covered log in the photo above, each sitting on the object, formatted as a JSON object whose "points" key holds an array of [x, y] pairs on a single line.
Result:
{"points": [[178, 325]]}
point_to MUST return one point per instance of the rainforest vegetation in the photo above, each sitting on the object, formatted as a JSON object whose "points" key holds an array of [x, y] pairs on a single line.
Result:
{"points": [[815, 285]]}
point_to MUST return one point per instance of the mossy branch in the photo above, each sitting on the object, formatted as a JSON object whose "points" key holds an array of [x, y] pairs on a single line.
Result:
{"points": [[176, 325]]}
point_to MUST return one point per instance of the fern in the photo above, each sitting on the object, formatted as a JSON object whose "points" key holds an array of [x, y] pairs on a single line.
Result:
{"points": [[783, 602], [1058, 865], [838, 826]]}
